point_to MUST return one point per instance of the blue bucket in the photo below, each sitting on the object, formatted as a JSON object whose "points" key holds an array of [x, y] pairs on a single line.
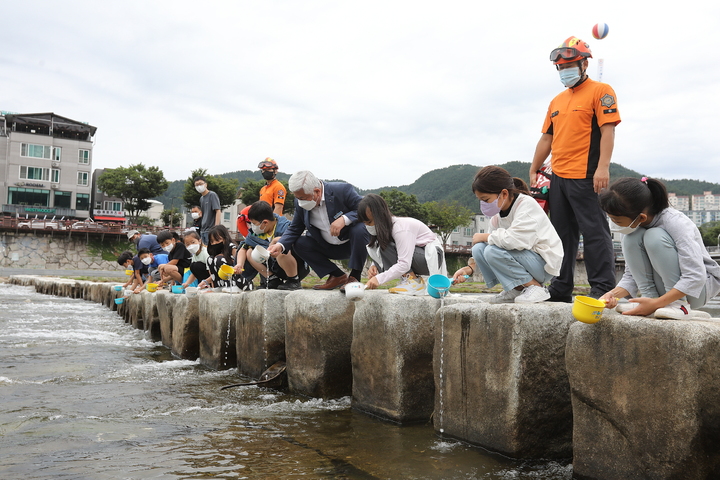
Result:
{"points": [[118, 301], [438, 285]]}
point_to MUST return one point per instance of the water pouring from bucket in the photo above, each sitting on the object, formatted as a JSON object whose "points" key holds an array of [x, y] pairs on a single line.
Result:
{"points": [[226, 272], [438, 285]]}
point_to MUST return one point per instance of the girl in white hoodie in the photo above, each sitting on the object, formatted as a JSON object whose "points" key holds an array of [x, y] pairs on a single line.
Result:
{"points": [[521, 250]]}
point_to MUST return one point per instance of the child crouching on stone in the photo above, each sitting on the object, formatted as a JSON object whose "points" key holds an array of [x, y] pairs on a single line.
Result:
{"points": [[221, 251], [521, 251], [665, 259]]}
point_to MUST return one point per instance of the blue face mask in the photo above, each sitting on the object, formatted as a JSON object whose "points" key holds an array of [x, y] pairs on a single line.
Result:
{"points": [[570, 76]]}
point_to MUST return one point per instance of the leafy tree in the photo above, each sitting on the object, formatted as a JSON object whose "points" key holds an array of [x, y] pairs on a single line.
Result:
{"points": [[145, 220], [446, 216], [710, 232], [171, 217], [251, 191], [134, 185], [226, 189], [402, 204]]}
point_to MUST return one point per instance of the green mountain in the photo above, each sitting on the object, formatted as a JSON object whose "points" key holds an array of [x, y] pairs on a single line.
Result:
{"points": [[453, 183]]}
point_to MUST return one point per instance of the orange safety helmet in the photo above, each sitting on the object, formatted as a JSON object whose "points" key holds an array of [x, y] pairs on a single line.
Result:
{"points": [[268, 164], [242, 221], [571, 50]]}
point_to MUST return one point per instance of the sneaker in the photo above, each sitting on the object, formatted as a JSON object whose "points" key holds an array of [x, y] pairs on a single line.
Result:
{"points": [[625, 306], [506, 296], [410, 285], [291, 284], [677, 310], [274, 282], [533, 294]]}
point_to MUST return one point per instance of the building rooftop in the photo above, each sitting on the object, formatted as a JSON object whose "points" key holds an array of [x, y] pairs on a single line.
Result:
{"points": [[49, 124]]}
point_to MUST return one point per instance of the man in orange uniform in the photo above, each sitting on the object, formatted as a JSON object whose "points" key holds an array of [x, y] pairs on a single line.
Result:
{"points": [[273, 192], [579, 130]]}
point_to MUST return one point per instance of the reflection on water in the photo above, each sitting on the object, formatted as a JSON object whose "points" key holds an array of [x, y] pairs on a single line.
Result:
{"points": [[85, 396]]}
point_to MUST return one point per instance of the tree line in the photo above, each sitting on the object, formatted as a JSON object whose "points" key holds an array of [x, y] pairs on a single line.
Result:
{"points": [[136, 184]]}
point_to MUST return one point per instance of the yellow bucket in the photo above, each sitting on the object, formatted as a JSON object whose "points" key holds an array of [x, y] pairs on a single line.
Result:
{"points": [[152, 287], [129, 272], [226, 271], [587, 309]]}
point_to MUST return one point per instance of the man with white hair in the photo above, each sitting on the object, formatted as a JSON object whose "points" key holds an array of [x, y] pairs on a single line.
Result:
{"points": [[328, 211]]}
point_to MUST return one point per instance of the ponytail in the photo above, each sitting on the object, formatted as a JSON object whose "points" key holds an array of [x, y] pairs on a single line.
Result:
{"points": [[492, 179], [629, 197]]}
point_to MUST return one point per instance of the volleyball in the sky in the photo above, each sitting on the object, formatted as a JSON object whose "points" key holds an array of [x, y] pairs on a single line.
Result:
{"points": [[600, 30]]}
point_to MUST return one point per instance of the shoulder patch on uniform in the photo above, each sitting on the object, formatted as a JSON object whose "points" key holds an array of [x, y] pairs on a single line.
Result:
{"points": [[607, 100], [554, 114], [610, 110], [281, 193]]}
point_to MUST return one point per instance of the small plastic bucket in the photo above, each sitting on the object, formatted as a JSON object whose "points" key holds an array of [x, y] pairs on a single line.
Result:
{"points": [[118, 288], [191, 291], [587, 309], [226, 271], [354, 290], [177, 289], [438, 285], [119, 300], [152, 287], [260, 254], [129, 272]]}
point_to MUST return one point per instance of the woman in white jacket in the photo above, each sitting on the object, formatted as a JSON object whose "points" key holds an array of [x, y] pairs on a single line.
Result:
{"points": [[521, 250], [400, 247]]}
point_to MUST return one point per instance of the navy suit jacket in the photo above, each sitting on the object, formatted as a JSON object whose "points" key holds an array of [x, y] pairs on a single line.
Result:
{"points": [[340, 199]]}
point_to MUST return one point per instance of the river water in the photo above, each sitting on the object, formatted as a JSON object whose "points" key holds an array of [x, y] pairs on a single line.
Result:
{"points": [[86, 396]]}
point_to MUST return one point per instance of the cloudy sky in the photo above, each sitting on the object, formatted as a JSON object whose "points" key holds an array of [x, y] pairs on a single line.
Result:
{"points": [[373, 92]]}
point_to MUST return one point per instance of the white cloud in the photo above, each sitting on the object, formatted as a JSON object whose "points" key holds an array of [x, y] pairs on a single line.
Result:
{"points": [[376, 93]]}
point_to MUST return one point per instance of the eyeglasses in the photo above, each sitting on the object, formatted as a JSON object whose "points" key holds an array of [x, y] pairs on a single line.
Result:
{"points": [[566, 53]]}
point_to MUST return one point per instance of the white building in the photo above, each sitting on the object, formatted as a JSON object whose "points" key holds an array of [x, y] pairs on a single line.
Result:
{"points": [[706, 201], [679, 202], [46, 165], [462, 236]]}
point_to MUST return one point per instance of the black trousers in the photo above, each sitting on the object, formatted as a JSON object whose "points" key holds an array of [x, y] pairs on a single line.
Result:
{"points": [[575, 209], [318, 254]]}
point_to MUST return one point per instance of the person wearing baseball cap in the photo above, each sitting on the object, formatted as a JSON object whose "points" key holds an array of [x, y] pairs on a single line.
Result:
{"points": [[145, 241], [579, 131]]}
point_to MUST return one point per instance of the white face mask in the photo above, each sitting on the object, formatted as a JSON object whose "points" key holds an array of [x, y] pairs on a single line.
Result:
{"points": [[307, 204], [169, 248], [570, 76], [256, 229], [195, 215], [615, 228], [200, 188], [193, 248], [371, 230], [147, 260]]}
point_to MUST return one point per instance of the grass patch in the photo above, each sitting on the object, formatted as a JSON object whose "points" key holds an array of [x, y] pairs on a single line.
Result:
{"points": [[108, 249]]}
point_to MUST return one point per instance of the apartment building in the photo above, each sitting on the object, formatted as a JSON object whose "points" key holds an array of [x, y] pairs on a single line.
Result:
{"points": [[679, 202], [46, 165]]}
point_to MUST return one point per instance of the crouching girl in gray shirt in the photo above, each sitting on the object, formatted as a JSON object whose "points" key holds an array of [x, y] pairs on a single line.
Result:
{"points": [[665, 259]]}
